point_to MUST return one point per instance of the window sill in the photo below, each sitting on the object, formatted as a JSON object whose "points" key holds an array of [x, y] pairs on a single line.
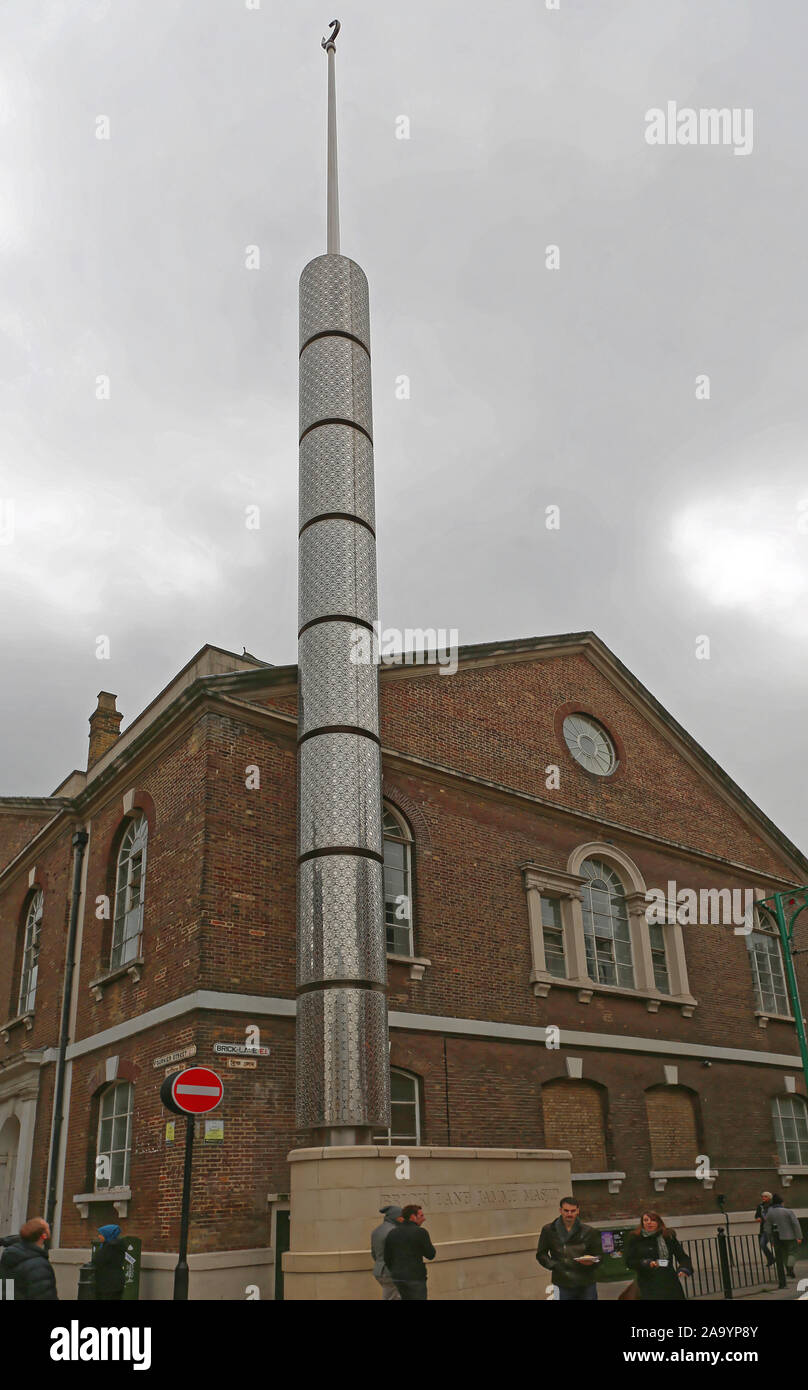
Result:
{"points": [[763, 1018], [615, 1180], [132, 968], [417, 964], [661, 1175], [788, 1171], [543, 982], [26, 1020], [120, 1197]]}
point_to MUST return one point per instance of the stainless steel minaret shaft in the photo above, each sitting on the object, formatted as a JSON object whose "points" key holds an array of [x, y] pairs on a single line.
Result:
{"points": [[341, 1048]]}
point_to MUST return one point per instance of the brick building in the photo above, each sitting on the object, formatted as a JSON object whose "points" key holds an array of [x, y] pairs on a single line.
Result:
{"points": [[531, 801]]}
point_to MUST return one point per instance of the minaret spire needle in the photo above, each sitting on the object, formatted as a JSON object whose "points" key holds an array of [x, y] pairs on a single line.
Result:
{"points": [[330, 46], [342, 1038]]}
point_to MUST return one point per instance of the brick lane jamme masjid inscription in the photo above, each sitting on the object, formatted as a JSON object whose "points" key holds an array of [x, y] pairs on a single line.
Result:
{"points": [[512, 1194]]}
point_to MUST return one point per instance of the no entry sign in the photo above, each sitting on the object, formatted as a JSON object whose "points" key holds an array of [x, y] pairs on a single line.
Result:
{"points": [[192, 1092]]}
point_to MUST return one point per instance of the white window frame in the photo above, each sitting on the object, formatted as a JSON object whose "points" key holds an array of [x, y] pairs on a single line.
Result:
{"points": [[389, 1137], [127, 919], [30, 952], [567, 885], [557, 928], [403, 925], [799, 1106], [615, 887], [769, 933], [118, 1090]]}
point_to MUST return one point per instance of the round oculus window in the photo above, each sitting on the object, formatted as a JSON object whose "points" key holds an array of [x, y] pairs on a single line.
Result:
{"points": [[589, 744]]}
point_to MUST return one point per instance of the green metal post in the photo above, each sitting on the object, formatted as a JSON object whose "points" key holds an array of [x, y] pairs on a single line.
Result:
{"points": [[786, 931]]}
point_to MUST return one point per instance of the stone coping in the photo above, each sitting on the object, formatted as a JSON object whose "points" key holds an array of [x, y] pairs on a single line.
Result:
{"points": [[392, 1151], [337, 1261], [154, 1259]]}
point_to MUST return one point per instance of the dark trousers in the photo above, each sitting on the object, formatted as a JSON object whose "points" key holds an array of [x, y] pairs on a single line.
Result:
{"points": [[584, 1295], [788, 1252], [412, 1290], [765, 1248]]}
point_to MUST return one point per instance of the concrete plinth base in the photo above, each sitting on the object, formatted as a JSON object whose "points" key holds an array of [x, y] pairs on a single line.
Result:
{"points": [[483, 1208]]}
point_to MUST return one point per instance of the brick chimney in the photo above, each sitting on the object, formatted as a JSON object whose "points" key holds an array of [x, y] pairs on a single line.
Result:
{"points": [[104, 727]]}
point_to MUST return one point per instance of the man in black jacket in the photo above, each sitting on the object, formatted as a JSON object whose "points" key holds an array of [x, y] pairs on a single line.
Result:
{"points": [[26, 1262], [572, 1253], [405, 1250]]}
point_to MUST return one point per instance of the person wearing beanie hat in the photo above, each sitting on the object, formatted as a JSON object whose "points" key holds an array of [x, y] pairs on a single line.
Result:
{"points": [[109, 1263], [392, 1215]]}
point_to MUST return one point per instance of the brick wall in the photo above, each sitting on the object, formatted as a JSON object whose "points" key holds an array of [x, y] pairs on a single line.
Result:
{"points": [[220, 915], [499, 722], [672, 1128], [17, 828], [574, 1120]]}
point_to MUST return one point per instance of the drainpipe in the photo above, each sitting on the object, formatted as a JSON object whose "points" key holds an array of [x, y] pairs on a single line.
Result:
{"points": [[79, 842]]}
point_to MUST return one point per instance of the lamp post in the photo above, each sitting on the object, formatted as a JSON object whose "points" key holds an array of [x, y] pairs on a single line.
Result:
{"points": [[785, 908]]}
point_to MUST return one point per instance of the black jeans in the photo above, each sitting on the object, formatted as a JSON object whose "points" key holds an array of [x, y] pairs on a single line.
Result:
{"points": [[413, 1290]]}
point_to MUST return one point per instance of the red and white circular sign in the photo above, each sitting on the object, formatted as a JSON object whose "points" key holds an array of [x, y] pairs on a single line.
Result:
{"points": [[196, 1090]]}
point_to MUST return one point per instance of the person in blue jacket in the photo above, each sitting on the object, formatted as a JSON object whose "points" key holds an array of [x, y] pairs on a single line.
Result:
{"points": [[109, 1263]]}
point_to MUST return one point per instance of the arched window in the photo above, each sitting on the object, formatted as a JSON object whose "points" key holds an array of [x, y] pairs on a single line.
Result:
{"points": [[766, 960], [397, 883], [790, 1115], [405, 1110], [114, 1136], [607, 935], [591, 931], [574, 1120], [672, 1127], [30, 953], [127, 924]]}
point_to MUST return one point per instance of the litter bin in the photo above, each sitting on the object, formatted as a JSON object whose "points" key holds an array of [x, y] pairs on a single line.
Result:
{"points": [[86, 1287]]}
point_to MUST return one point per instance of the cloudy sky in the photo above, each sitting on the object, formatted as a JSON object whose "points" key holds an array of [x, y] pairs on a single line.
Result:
{"points": [[125, 258]]}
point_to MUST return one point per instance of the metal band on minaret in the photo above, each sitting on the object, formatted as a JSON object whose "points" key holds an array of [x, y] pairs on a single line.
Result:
{"points": [[342, 1086]]}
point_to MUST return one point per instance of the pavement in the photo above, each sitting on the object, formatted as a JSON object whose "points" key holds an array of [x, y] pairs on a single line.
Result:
{"points": [[791, 1293], [770, 1291]]}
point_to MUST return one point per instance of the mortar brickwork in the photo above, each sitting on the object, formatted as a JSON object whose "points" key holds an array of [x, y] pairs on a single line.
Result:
{"points": [[220, 917]]}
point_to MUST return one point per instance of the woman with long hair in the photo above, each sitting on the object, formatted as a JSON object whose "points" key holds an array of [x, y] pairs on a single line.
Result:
{"points": [[657, 1257]]}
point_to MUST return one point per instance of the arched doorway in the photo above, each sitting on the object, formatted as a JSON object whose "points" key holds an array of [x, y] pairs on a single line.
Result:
{"points": [[9, 1151]]}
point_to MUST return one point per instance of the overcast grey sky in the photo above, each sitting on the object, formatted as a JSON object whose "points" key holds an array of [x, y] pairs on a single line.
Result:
{"points": [[529, 387]]}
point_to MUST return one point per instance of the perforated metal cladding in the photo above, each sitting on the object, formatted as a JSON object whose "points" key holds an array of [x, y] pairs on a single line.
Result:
{"points": [[337, 572], [340, 793], [335, 383], [340, 920], [337, 680], [334, 295], [336, 473], [341, 1059], [342, 1052]]}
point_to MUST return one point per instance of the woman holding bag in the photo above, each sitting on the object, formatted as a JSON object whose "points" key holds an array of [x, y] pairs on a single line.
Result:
{"points": [[657, 1258]]}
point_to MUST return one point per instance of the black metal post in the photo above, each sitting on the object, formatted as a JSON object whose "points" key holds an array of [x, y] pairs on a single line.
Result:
{"points": [[723, 1260], [181, 1271]]}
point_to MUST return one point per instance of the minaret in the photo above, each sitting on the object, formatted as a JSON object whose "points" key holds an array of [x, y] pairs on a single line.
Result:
{"points": [[343, 1091]]}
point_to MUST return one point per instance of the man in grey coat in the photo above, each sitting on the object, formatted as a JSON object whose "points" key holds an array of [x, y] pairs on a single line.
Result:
{"points": [[392, 1215], [784, 1225]]}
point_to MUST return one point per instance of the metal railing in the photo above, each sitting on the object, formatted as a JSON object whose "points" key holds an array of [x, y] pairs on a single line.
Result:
{"points": [[724, 1265]]}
